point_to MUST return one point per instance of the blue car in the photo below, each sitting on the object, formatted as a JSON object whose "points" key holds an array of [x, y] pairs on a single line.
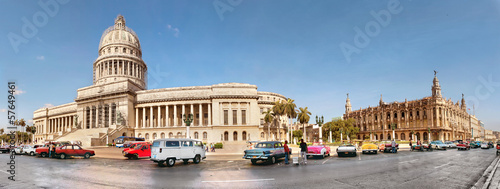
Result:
{"points": [[266, 151]]}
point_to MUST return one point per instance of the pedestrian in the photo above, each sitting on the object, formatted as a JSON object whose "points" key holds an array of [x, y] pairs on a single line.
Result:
{"points": [[303, 151], [51, 146], [411, 147], [206, 148], [393, 146], [287, 152]]}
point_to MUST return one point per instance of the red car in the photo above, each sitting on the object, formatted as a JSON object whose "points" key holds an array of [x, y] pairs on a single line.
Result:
{"points": [[73, 150], [44, 150], [134, 145], [463, 146], [140, 151]]}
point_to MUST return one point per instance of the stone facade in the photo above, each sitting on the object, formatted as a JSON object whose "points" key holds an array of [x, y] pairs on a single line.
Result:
{"points": [[434, 116], [119, 104]]}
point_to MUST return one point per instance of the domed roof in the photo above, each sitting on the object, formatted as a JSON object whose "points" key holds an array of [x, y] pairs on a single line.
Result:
{"points": [[119, 34]]}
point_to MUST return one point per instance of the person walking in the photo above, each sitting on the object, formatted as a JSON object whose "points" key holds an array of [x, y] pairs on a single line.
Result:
{"points": [[411, 147], [303, 151], [51, 146], [393, 145], [287, 152]]}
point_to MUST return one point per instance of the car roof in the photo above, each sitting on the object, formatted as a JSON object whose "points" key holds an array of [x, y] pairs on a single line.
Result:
{"points": [[177, 139]]}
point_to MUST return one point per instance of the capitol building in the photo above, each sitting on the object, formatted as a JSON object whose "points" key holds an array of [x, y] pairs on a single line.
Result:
{"points": [[119, 103]]}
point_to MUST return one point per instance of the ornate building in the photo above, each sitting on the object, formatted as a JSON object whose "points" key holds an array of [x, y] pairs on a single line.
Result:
{"points": [[119, 104], [434, 116]]}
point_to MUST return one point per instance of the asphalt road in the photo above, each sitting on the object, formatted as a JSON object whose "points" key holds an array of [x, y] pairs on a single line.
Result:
{"points": [[438, 169]]}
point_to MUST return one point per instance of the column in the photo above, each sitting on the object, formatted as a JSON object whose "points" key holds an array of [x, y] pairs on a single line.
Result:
{"points": [[151, 120], [209, 115], [143, 117], [136, 118], [58, 124], [110, 114], [192, 110], [97, 117], [182, 113], [175, 116], [200, 121], [159, 116], [112, 67], [167, 119]]}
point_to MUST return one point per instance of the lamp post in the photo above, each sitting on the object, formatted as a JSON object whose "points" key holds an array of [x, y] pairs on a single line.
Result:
{"points": [[319, 121], [187, 119], [393, 126], [429, 133], [341, 130]]}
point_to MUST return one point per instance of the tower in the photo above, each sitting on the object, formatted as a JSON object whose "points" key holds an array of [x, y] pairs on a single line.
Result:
{"points": [[381, 102], [463, 106], [348, 107], [436, 89]]}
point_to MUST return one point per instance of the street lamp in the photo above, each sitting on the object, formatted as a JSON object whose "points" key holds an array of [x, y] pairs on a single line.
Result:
{"points": [[187, 119], [429, 133], [393, 126], [319, 121]]}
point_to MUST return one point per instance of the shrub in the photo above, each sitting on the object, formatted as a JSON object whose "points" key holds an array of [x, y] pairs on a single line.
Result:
{"points": [[218, 145], [110, 144]]}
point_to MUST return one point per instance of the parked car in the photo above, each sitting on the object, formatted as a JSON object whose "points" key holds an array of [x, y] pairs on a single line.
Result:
{"points": [[346, 150], [485, 145], [6, 148], [169, 150], [321, 151], [490, 145], [132, 146], [73, 150], [438, 145], [463, 146], [474, 144], [43, 151], [421, 147], [26, 149], [369, 148], [265, 151], [386, 146], [450, 144], [140, 151]]}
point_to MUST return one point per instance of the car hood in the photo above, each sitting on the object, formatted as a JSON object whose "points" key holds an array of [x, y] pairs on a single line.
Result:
{"points": [[315, 147], [259, 150]]}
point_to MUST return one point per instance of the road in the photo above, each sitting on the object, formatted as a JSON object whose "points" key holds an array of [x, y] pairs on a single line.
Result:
{"points": [[438, 169]]}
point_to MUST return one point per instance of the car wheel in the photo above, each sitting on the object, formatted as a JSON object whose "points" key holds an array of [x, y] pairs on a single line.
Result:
{"points": [[185, 161], [324, 155], [86, 156], [161, 163], [196, 159], [254, 161], [62, 156], [32, 153], [272, 160], [170, 162], [136, 156], [44, 154], [129, 157]]}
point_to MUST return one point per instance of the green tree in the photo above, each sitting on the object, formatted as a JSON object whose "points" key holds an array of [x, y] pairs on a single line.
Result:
{"points": [[303, 118], [268, 118], [291, 113], [1, 131], [278, 110], [298, 134]]}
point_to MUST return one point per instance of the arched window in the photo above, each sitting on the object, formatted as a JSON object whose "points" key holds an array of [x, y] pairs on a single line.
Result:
{"points": [[162, 135], [195, 135], [154, 136], [116, 49], [403, 137], [124, 50], [147, 136], [226, 136], [426, 136], [417, 135], [359, 137], [381, 136], [244, 135], [262, 135], [139, 135], [179, 134], [235, 136], [170, 135], [389, 137], [205, 135]]}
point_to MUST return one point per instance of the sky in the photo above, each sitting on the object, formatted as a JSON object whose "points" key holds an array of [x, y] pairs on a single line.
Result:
{"points": [[311, 51]]}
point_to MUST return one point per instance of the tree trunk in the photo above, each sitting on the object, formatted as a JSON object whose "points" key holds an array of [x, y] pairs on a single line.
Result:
{"points": [[305, 134], [268, 131]]}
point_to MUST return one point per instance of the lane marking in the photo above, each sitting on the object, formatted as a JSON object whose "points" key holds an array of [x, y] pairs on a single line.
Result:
{"points": [[326, 160], [5, 172], [441, 165], [251, 180]]}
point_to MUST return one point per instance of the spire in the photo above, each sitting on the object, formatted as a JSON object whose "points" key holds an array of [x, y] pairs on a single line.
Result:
{"points": [[436, 89], [463, 106], [348, 107], [120, 22], [381, 102]]}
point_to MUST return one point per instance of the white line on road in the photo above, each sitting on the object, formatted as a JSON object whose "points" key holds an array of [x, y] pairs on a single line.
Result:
{"points": [[326, 160], [5, 172], [409, 161], [252, 180], [441, 165]]}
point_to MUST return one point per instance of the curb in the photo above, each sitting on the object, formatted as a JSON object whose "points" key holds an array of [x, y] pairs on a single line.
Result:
{"points": [[488, 173], [488, 181]]}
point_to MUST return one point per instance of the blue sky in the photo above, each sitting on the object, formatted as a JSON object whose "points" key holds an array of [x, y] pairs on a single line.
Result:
{"points": [[288, 47]]}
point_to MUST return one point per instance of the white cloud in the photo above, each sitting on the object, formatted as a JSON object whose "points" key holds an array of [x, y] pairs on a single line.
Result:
{"points": [[174, 30], [48, 106], [3, 110], [19, 91], [30, 122], [40, 57]]}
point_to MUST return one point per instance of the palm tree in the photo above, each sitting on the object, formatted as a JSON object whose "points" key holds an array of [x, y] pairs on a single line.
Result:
{"points": [[268, 118], [278, 110], [1, 131], [291, 112], [22, 123], [303, 118]]}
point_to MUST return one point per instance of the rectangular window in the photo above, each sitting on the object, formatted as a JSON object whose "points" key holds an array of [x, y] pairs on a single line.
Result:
{"points": [[261, 110], [261, 121], [235, 117], [172, 143], [243, 117], [226, 117]]}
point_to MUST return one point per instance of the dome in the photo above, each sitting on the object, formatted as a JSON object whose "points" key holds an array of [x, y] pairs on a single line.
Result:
{"points": [[119, 34]]}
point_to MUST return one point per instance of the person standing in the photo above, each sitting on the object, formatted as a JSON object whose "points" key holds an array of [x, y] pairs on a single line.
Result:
{"points": [[303, 151], [51, 146], [287, 152], [411, 147], [393, 146]]}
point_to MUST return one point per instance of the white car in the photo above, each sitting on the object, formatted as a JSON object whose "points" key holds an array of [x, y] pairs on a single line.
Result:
{"points": [[169, 150], [484, 145], [26, 149], [346, 149], [451, 144]]}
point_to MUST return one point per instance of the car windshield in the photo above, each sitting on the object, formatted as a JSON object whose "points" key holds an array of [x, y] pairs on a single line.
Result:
{"points": [[264, 145], [138, 147], [156, 144], [438, 142]]}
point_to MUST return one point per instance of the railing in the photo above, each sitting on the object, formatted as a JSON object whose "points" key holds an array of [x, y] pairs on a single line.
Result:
{"points": [[103, 138]]}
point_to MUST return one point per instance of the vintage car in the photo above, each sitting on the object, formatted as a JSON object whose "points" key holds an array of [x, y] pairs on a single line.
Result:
{"points": [[386, 146], [438, 145], [169, 150], [26, 149], [73, 150], [421, 147], [485, 145], [321, 151], [369, 148], [450, 144], [132, 146], [140, 151], [251, 144], [463, 146], [265, 151], [43, 151], [475, 144], [346, 150], [6, 148]]}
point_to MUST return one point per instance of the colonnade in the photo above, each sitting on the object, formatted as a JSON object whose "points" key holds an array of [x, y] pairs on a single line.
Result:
{"points": [[171, 115], [99, 116], [58, 124], [119, 67]]}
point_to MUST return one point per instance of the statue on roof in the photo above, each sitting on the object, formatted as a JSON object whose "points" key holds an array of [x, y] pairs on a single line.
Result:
{"points": [[435, 72]]}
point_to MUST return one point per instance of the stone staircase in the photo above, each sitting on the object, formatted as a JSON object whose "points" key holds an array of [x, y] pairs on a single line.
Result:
{"points": [[84, 135], [65, 133]]}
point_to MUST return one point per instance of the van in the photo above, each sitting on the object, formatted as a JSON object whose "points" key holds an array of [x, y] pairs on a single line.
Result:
{"points": [[172, 149]]}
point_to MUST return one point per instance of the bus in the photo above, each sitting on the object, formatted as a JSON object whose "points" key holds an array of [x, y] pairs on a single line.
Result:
{"points": [[121, 140]]}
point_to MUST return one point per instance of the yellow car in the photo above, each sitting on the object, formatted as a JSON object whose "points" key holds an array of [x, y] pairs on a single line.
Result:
{"points": [[369, 148]]}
